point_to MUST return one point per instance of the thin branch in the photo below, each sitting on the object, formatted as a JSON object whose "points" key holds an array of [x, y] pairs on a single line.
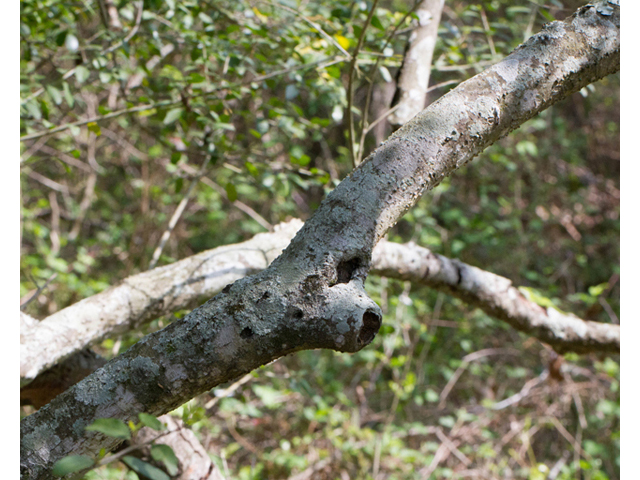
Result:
{"points": [[129, 36], [352, 66], [466, 360], [487, 31], [38, 292], [236, 203], [33, 149], [47, 182], [68, 159], [528, 386], [313, 24], [177, 214], [55, 223], [325, 62], [452, 447], [393, 109], [372, 77]]}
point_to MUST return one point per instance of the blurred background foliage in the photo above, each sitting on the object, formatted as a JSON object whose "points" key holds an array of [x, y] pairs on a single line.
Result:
{"points": [[240, 107]]}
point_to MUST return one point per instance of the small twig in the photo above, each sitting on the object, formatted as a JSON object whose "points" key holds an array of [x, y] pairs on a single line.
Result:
{"points": [[441, 454], [239, 438], [104, 52], [522, 393], [131, 448], [528, 30], [466, 360], [454, 68], [487, 31], [176, 215], [228, 391], [393, 109], [168, 103], [236, 203], [313, 24], [38, 292], [68, 159], [555, 470], [55, 223], [452, 447], [568, 437], [607, 308], [84, 205], [47, 182], [352, 66], [33, 149]]}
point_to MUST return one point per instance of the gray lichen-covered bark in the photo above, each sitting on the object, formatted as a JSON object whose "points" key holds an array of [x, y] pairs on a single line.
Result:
{"points": [[497, 296], [180, 285], [416, 66], [312, 296], [142, 298]]}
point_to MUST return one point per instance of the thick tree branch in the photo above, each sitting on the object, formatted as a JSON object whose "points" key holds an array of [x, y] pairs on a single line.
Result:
{"points": [[165, 290], [312, 296]]}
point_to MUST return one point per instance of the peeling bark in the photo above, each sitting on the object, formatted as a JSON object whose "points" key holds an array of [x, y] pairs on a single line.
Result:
{"points": [[312, 296]]}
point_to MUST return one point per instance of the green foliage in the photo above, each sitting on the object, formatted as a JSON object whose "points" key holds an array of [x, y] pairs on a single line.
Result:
{"points": [[165, 455], [144, 468], [260, 92], [111, 427], [151, 421], [71, 464]]}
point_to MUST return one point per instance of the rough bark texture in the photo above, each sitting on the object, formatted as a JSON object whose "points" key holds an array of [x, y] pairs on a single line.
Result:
{"points": [[182, 284], [142, 298], [312, 296], [497, 296], [416, 67]]}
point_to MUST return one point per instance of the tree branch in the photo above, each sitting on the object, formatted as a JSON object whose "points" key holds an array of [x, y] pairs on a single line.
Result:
{"points": [[416, 67], [312, 296]]}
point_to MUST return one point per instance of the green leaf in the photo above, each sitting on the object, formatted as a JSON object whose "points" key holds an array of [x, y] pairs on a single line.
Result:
{"points": [[375, 21], [179, 184], [71, 464], [67, 94], [172, 115], [164, 454], [175, 157], [55, 94], [145, 469], [95, 128], [151, 421], [252, 169], [111, 427], [82, 73], [232, 193], [60, 38]]}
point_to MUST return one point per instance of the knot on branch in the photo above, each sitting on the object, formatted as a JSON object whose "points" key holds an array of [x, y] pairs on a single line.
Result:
{"points": [[353, 319]]}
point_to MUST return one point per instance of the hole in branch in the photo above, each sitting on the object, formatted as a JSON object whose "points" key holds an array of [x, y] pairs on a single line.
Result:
{"points": [[346, 269], [371, 322], [246, 333]]}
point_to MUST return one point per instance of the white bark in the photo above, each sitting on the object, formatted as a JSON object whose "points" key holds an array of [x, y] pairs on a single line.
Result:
{"points": [[416, 67]]}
